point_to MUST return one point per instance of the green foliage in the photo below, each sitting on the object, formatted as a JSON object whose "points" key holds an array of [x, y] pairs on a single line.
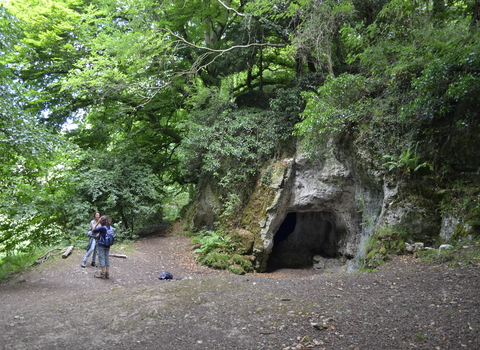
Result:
{"points": [[240, 264], [316, 36], [37, 185], [465, 253], [285, 109], [471, 225], [461, 197], [24, 233], [174, 200], [450, 81], [407, 161], [217, 251], [49, 45], [215, 259], [10, 31], [211, 240], [275, 8], [229, 145], [383, 243], [353, 41], [423, 84], [123, 189], [266, 178], [336, 104], [118, 72], [18, 261], [213, 249]]}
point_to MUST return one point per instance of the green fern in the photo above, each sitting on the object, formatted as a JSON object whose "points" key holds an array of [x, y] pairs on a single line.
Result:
{"points": [[212, 240], [407, 160]]}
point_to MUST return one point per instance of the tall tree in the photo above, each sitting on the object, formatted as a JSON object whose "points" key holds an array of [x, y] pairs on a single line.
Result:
{"points": [[35, 199], [48, 49]]}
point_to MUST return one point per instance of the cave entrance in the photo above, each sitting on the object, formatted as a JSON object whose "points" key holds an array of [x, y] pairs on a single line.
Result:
{"points": [[300, 237]]}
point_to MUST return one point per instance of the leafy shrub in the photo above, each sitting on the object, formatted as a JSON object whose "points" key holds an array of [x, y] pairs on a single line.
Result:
{"points": [[16, 261], [227, 146], [211, 240], [217, 251], [471, 226], [230, 147], [215, 259], [328, 111], [125, 190], [450, 81], [462, 198]]}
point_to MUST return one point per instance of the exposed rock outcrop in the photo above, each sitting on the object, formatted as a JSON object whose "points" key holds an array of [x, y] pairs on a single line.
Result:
{"points": [[328, 206], [318, 208]]}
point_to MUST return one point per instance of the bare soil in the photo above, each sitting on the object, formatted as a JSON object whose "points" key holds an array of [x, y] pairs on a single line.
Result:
{"points": [[405, 304]]}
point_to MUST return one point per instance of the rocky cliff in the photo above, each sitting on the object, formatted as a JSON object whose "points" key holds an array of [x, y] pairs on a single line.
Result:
{"points": [[326, 207]]}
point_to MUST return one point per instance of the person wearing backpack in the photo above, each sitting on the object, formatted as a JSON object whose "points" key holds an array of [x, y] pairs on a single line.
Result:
{"points": [[92, 245], [105, 238]]}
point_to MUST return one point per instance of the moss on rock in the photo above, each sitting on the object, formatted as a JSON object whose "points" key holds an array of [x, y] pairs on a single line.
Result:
{"points": [[243, 240], [256, 209], [385, 242]]}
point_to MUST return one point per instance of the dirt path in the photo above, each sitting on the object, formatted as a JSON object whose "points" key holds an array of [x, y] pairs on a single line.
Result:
{"points": [[404, 305]]}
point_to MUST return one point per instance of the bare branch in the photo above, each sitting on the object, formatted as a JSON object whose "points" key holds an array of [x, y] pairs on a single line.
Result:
{"points": [[232, 9], [225, 50]]}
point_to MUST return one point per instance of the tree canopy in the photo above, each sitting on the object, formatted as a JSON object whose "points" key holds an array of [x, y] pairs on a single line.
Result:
{"points": [[119, 106]]}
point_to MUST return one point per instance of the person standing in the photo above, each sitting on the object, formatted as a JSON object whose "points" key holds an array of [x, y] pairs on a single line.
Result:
{"points": [[103, 250], [92, 244]]}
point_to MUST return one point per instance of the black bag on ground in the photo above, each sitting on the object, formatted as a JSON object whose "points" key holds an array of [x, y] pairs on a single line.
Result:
{"points": [[166, 276]]}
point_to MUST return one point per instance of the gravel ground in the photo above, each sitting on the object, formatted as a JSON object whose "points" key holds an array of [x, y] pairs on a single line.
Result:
{"points": [[405, 304]]}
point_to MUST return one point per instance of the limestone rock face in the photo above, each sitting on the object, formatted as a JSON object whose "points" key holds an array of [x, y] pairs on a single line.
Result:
{"points": [[316, 210], [328, 206], [449, 222], [206, 207]]}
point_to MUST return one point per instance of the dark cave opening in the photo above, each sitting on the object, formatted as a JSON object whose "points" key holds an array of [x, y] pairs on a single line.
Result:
{"points": [[287, 227], [300, 237]]}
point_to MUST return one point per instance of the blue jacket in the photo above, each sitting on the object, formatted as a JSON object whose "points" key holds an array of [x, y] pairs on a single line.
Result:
{"points": [[101, 233]]}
